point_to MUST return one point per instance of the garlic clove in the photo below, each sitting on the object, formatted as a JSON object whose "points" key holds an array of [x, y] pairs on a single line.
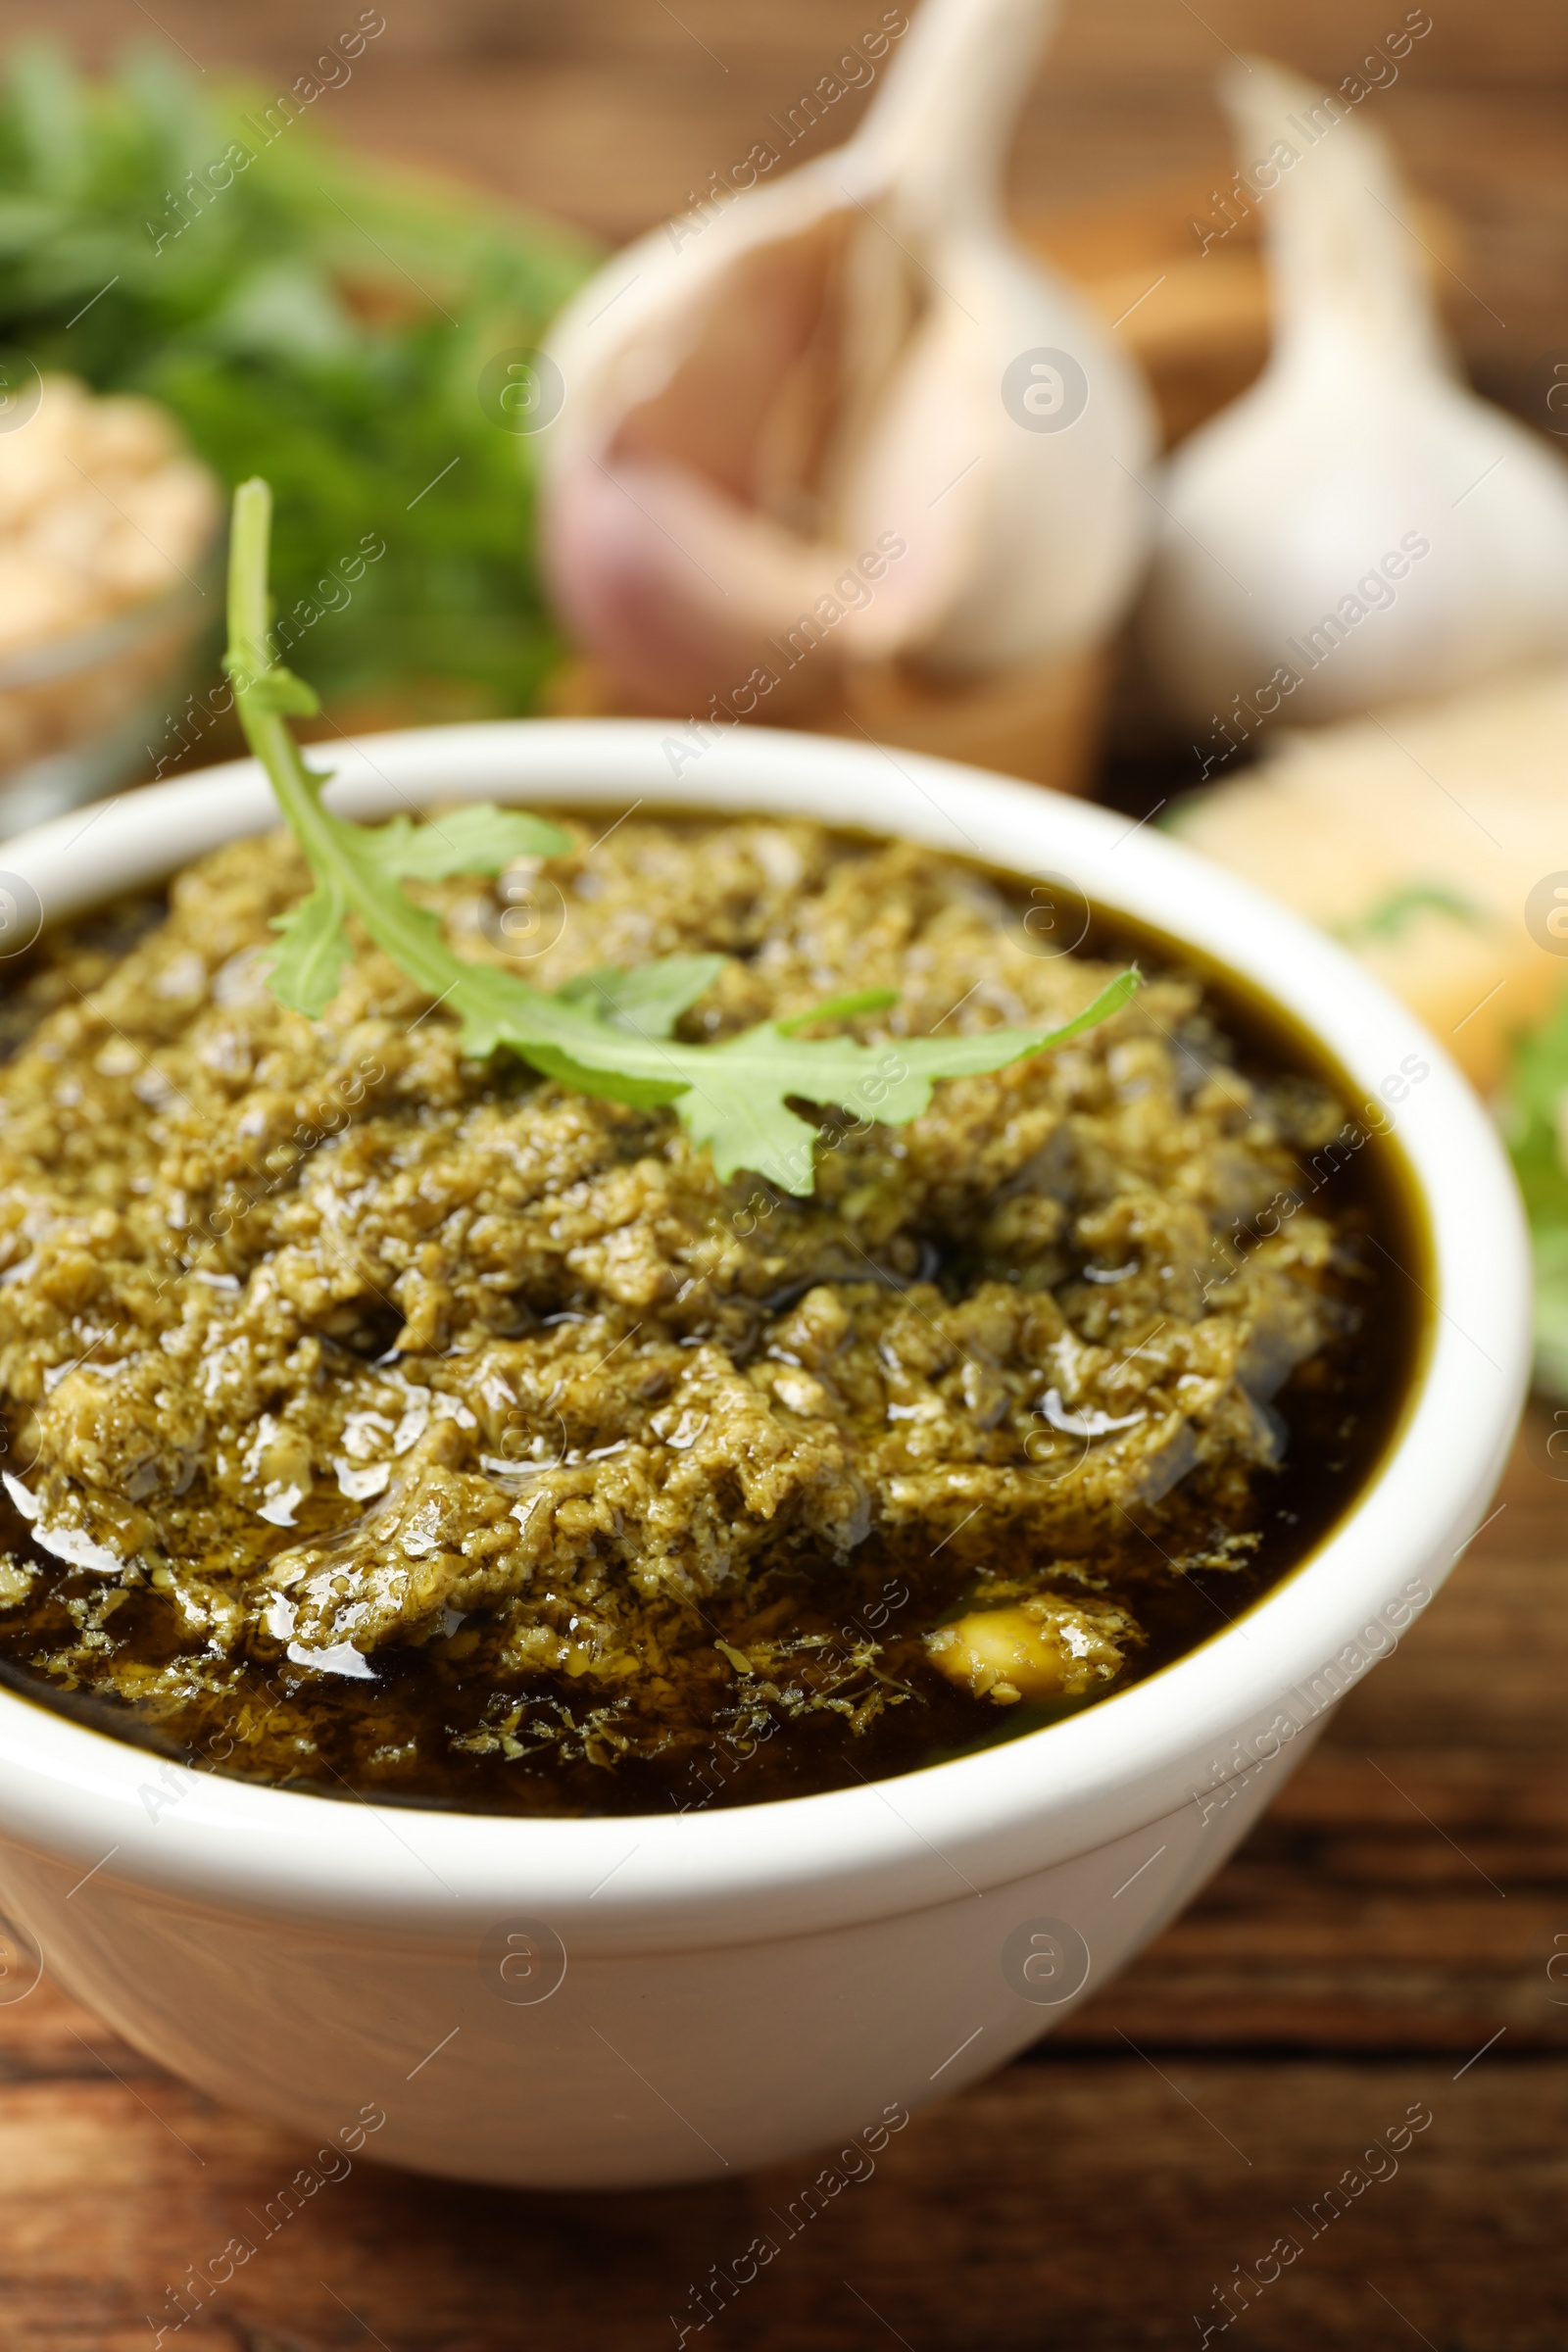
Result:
{"points": [[1358, 527], [783, 445]]}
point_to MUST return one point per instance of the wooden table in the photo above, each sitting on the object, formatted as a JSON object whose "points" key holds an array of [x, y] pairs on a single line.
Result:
{"points": [[1386, 1939]]}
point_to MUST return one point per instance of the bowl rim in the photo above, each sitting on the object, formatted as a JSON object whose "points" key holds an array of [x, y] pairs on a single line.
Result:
{"points": [[949, 1832]]}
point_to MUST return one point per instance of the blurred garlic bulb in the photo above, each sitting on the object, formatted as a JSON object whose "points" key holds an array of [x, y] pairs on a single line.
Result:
{"points": [[1358, 527], [789, 428]]}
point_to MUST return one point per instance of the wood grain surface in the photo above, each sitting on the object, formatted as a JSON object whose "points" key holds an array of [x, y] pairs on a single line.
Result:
{"points": [[1396, 1915], [1384, 1941], [610, 113]]}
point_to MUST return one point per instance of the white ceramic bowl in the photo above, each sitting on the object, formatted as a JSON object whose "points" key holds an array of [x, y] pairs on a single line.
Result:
{"points": [[622, 2001]]}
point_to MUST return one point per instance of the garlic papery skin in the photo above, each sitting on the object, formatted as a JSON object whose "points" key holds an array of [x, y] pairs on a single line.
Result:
{"points": [[783, 445], [1360, 527]]}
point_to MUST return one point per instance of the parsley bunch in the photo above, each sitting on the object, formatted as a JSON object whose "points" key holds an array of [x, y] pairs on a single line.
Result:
{"points": [[316, 316]]}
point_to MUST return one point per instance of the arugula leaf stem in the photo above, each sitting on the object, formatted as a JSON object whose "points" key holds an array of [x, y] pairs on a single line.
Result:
{"points": [[251, 667], [608, 1033]]}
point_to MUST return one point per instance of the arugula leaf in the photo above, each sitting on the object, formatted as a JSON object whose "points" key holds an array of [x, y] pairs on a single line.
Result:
{"points": [[648, 998], [840, 1008], [307, 972], [611, 1032], [479, 839], [738, 1105]]}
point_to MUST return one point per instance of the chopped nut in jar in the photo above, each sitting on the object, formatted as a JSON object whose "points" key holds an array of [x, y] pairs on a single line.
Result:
{"points": [[106, 523]]}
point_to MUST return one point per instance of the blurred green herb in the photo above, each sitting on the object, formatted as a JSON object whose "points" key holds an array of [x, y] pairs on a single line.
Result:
{"points": [[1537, 1124], [320, 317], [1392, 916], [608, 1033]]}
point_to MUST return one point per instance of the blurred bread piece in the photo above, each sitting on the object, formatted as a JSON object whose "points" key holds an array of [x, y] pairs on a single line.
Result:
{"points": [[1416, 836]]}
